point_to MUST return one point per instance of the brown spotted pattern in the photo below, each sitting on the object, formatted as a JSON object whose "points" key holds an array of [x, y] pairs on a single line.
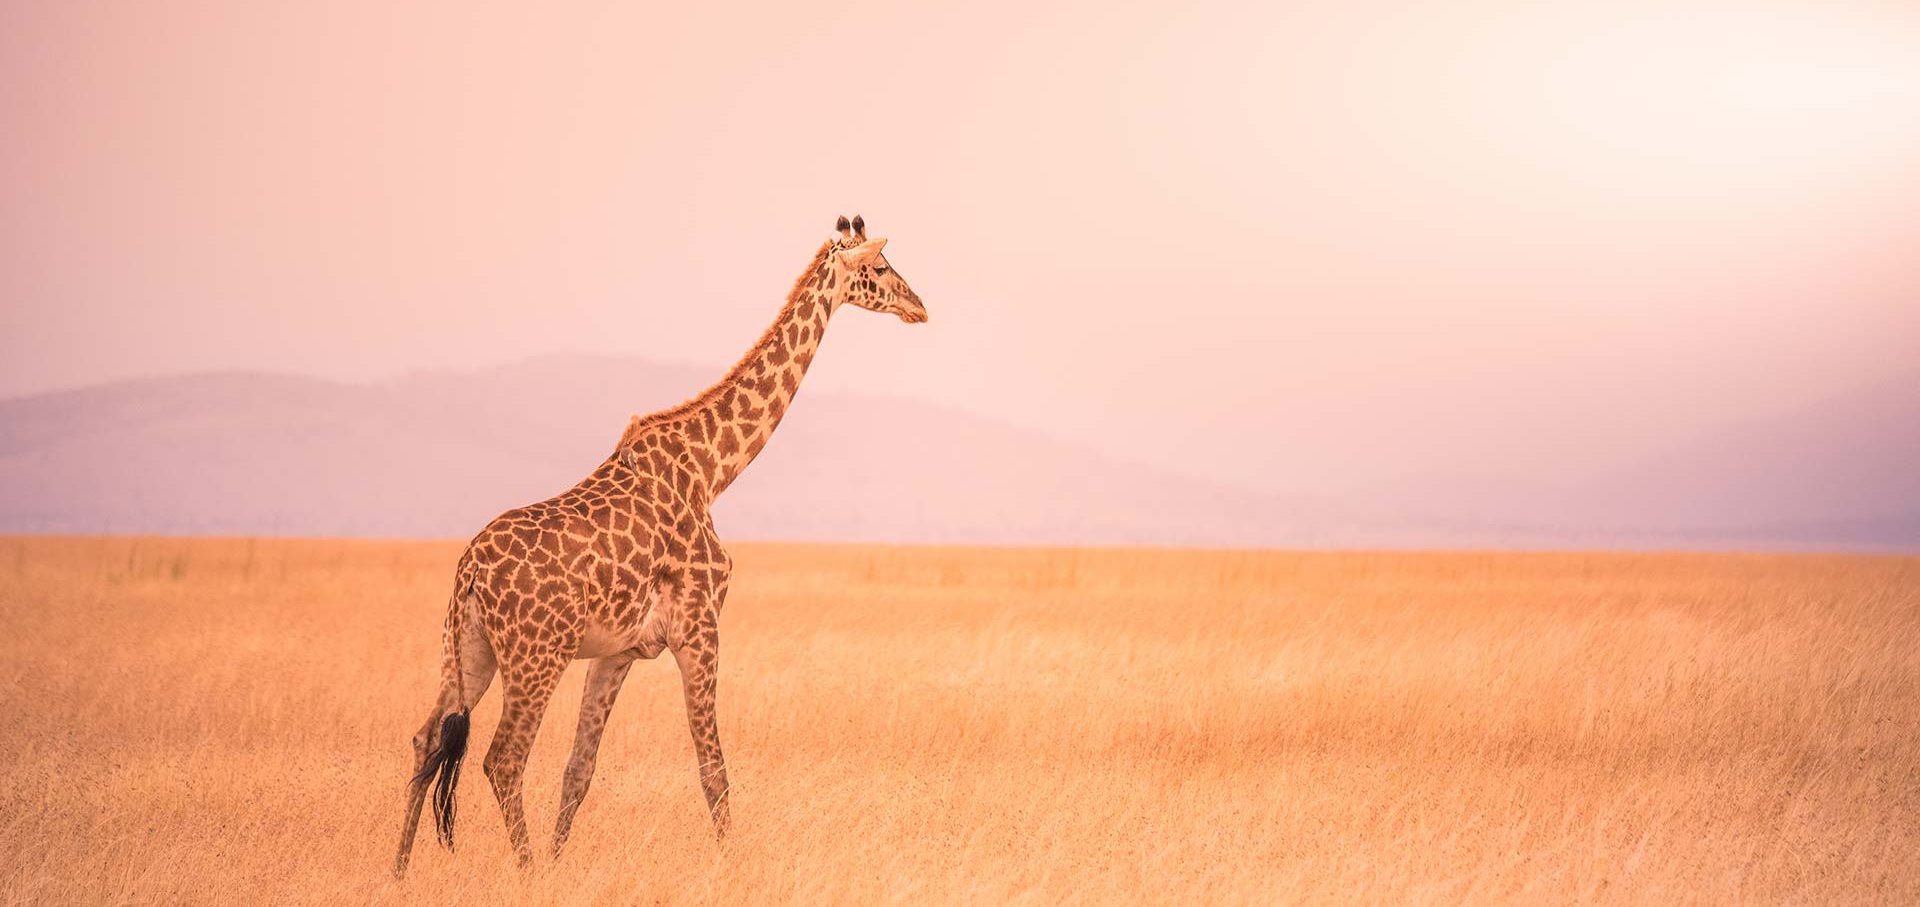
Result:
{"points": [[626, 564]]}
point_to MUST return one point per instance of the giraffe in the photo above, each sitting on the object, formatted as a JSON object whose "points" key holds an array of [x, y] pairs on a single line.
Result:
{"points": [[624, 566]]}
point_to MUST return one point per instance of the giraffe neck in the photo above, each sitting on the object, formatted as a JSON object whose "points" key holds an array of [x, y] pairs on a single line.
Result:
{"points": [[725, 427]]}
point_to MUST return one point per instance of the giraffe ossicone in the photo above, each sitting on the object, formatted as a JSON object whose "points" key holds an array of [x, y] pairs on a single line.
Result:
{"points": [[625, 565]]}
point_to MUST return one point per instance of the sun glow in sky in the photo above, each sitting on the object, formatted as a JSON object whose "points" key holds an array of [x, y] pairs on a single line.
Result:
{"points": [[1277, 244]]}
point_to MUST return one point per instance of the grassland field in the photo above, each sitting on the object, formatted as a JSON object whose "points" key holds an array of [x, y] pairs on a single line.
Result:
{"points": [[227, 722]]}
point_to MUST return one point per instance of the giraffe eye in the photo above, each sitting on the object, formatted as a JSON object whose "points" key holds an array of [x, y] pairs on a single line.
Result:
{"points": [[880, 269]]}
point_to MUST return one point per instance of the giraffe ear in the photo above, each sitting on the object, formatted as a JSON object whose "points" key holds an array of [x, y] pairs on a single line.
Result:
{"points": [[862, 253]]}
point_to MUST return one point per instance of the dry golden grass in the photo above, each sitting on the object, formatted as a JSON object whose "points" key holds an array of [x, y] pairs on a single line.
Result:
{"points": [[227, 722]]}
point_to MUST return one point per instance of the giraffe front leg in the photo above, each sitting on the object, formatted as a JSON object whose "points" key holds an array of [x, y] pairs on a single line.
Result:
{"points": [[604, 678], [699, 659]]}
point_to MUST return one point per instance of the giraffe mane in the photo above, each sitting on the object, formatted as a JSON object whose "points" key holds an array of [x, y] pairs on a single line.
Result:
{"points": [[638, 425]]}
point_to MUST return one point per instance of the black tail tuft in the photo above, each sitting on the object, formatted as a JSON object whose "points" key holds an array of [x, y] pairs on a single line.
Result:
{"points": [[444, 763]]}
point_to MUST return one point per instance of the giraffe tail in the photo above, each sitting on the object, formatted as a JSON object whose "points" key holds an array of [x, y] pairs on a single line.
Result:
{"points": [[443, 767], [443, 764]]}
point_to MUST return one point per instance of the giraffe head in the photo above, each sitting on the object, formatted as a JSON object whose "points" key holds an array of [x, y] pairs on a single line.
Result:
{"points": [[863, 277]]}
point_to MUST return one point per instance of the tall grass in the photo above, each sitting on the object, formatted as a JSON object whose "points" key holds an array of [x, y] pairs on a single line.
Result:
{"points": [[228, 721]]}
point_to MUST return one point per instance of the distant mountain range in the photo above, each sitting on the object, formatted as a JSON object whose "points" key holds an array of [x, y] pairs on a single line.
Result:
{"points": [[1840, 474], [437, 454]]}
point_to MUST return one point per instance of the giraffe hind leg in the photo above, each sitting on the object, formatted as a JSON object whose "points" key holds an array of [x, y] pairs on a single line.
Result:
{"points": [[425, 744], [604, 679], [527, 687]]}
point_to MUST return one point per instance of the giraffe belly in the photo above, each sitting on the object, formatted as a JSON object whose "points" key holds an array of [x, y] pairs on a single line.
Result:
{"points": [[644, 639], [599, 642]]}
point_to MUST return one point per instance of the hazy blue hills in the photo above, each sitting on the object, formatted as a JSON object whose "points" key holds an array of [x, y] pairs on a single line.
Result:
{"points": [[437, 454]]}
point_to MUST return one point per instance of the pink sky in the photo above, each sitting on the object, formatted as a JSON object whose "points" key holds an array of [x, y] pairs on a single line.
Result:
{"points": [[1303, 246]]}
